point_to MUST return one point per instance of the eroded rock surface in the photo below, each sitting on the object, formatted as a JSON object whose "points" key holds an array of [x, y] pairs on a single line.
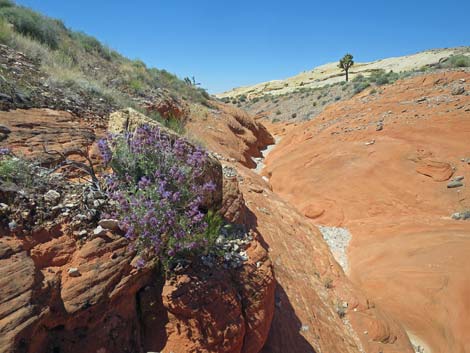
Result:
{"points": [[80, 291], [33, 130], [389, 188]]}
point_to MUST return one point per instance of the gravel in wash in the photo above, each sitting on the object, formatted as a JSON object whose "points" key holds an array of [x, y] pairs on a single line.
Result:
{"points": [[338, 241]]}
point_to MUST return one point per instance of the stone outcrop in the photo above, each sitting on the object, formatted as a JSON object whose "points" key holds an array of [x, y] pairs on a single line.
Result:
{"points": [[233, 204], [229, 131], [80, 291], [107, 305], [169, 107], [33, 130], [395, 196], [316, 307], [213, 310]]}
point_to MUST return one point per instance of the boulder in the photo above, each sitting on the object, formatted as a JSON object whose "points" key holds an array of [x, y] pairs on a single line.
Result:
{"points": [[233, 205], [169, 107], [313, 211]]}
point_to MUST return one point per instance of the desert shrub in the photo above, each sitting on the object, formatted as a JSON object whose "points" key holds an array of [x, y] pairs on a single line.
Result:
{"points": [[360, 86], [139, 64], [6, 3], [34, 25], [92, 45], [360, 83], [458, 61], [380, 77], [5, 32], [275, 120], [136, 85], [170, 122], [294, 115], [358, 78], [155, 183], [15, 170], [337, 98], [278, 112]]}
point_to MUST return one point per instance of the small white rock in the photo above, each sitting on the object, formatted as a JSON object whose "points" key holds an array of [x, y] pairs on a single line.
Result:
{"points": [[73, 272], [99, 231], [52, 196]]}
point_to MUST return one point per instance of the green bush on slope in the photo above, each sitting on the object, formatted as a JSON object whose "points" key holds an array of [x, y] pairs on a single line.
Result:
{"points": [[68, 56]]}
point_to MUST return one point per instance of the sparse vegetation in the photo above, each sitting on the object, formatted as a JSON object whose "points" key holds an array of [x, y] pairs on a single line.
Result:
{"points": [[15, 170], [456, 61], [380, 77], [77, 60], [170, 122]]}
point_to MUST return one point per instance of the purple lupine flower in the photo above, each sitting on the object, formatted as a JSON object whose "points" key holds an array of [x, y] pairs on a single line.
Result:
{"points": [[209, 186], [140, 263], [158, 199], [105, 151]]}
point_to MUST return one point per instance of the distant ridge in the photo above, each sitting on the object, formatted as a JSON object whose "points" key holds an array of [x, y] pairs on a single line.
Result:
{"points": [[330, 73]]}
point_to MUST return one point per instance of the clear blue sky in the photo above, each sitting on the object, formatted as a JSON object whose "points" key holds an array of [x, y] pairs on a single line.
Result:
{"points": [[226, 44]]}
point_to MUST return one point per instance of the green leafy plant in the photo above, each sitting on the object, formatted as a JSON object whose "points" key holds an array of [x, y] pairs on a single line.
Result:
{"points": [[34, 25], [16, 170]]}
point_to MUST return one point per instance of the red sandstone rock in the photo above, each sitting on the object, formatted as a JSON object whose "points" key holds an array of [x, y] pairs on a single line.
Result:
{"points": [[438, 171], [57, 293], [34, 129], [406, 253], [233, 205], [230, 132]]}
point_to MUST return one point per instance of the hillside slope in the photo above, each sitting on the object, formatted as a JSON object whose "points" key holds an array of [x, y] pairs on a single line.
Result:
{"points": [[387, 166], [306, 95], [45, 64], [330, 73]]}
